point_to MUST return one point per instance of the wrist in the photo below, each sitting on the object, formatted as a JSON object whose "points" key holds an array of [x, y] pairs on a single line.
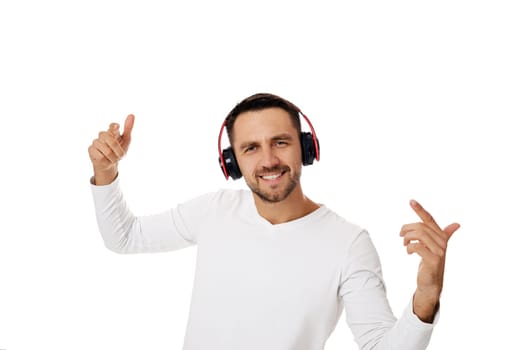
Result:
{"points": [[425, 305], [105, 177]]}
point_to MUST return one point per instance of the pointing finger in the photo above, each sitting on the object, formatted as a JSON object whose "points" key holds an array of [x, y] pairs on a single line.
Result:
{"points": [[423, 214]]}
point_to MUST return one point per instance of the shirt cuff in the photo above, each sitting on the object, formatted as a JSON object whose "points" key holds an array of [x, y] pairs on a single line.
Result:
{"points": [[92, 182]]}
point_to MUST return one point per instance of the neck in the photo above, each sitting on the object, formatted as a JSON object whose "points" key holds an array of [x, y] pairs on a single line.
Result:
{"points": [[295, 206]]}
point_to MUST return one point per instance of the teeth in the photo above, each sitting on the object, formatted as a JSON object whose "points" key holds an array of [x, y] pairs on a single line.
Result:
{"points": [[271, 177]]}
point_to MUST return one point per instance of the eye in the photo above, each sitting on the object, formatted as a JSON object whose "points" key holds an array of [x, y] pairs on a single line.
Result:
{"points": [[250, 149], [281, 143]]}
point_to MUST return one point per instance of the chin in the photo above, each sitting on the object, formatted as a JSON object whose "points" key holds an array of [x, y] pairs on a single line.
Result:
{"points": [[274, 196]]}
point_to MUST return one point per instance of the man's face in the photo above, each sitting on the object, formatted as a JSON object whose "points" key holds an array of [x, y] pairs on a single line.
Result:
{"points": [[268, 151]]}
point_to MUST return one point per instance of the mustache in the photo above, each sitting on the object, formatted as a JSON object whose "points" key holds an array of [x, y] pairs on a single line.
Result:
{"points": [[275, 169]]}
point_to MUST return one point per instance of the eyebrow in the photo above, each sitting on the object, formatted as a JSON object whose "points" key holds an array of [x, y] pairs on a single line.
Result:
{"points": [[285, 136], [279, 137]]}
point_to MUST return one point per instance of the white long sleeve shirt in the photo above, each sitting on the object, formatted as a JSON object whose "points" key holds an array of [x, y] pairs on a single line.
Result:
{"points": [[263, 286]]}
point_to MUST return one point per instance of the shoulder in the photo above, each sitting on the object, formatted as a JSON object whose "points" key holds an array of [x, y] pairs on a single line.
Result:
{"points": [[341, 225]]}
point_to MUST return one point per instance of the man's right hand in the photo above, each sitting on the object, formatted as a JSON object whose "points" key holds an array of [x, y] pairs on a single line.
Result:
{"points": [[108, 149]]}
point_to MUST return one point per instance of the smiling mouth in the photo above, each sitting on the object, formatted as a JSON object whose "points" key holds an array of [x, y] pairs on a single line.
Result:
{"points": [[272, 176]]}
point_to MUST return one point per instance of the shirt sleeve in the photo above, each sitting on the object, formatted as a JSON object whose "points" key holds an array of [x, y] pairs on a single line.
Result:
{"points": [[368, 313], [125, 233]]}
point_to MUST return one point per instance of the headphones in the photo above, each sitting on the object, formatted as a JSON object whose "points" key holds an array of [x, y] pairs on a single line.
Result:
{"points": [[309, 151]]}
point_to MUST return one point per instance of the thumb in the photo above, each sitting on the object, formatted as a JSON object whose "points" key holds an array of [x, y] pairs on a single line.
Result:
{"points": [[128, 127], [450, 229]]}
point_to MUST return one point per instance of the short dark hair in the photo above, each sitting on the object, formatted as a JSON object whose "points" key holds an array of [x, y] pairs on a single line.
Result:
{"points": [[262, 101]]}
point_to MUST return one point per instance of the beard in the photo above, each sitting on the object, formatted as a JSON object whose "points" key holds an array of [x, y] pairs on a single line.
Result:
{"points": [[277, 195]]}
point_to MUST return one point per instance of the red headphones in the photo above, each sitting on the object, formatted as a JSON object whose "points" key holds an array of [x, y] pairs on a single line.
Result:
{"points": [[309, 151]]}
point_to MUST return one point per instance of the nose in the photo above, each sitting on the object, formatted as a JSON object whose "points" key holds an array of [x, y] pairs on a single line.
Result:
{"points": [[269, 158]]}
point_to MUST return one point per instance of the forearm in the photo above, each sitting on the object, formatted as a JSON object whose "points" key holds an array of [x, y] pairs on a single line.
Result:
{"points": [[125, 233], [408, 333], [115, 221]]}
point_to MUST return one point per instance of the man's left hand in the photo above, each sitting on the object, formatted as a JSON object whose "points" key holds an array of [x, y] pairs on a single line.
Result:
{"points": [[430, 242]]}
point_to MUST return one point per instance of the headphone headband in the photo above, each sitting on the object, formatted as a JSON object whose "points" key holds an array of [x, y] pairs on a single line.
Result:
{"points": [[221, 153]]}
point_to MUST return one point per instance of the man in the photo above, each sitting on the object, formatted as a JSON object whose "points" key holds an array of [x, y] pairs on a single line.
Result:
{"points": [[274, 268]]}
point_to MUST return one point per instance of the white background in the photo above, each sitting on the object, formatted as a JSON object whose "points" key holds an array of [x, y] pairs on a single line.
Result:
{"points": [[410, 99]]}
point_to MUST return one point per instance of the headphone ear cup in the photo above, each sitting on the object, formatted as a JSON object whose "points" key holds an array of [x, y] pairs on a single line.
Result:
{"points": [[308, 148], [230, 164]]}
